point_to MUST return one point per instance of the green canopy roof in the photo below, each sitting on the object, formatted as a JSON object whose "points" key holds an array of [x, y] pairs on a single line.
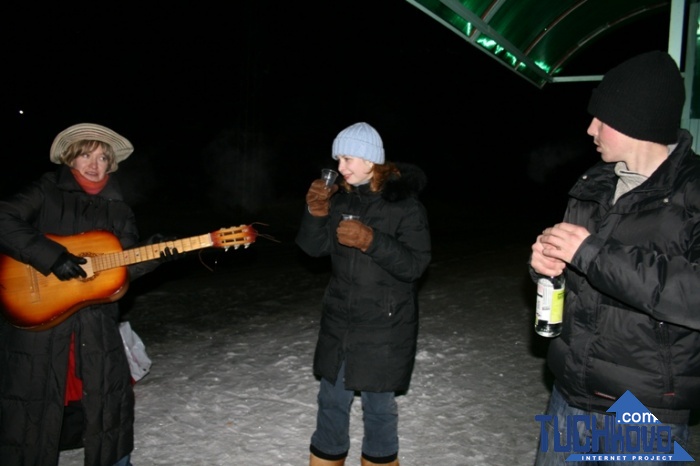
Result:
{"points": [[537, 38]]}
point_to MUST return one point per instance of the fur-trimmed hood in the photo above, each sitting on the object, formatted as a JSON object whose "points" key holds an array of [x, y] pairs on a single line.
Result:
{"points": [[410, 184]]}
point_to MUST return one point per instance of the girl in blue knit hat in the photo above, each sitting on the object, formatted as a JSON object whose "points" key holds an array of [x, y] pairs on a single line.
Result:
{"points": [[369, 322]]}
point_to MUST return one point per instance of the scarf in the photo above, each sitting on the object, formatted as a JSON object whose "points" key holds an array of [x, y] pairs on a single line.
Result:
{"points": [[90, 187]]}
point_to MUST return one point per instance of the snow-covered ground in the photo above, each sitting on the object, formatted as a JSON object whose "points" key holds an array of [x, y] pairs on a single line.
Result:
{"points": [[231, 337]]}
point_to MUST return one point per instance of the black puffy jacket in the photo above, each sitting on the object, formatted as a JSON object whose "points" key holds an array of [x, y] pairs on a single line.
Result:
{"points": [[370, 306], [632, 312], [33, 364]]}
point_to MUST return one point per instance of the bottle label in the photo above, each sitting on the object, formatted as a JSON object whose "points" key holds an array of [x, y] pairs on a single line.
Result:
{"points": [[550, 302], [557, 314]]}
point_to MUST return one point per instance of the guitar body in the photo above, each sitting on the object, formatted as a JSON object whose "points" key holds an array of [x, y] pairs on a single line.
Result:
{"points": [[35, 302], [31, 301]]}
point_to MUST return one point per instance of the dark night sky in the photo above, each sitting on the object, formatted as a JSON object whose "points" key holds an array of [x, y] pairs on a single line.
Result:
{"points": [[269, 84]]}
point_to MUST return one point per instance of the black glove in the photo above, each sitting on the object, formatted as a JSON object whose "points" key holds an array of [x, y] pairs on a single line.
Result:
{"points": [[169, 255], [67, 266]]}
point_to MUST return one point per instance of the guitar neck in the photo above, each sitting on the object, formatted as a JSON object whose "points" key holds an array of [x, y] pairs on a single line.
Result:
{"points": [[149, 252]]}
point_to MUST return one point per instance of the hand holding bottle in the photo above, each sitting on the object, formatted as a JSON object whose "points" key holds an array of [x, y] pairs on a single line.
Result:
{"points": [[542, 264], [562, 241]]}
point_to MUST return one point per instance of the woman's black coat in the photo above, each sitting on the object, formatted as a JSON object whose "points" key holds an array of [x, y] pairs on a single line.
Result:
{"points": [[33, 364], [370, 306]]}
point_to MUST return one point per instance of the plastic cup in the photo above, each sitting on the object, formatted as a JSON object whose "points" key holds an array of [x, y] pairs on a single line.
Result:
{"points": [[329, 175]]}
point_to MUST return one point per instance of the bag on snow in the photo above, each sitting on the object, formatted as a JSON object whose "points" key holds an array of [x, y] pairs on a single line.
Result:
{"points": [[139, 362]]}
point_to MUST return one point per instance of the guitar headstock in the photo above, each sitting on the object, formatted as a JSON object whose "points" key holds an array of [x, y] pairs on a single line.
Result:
{"points": [[235, 237]]}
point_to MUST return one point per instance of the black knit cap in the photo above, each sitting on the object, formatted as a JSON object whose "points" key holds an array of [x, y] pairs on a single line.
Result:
{"points": [[642, 97]]}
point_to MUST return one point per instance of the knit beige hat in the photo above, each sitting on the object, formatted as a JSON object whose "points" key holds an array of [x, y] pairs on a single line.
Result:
{"points": [[90, 131]]}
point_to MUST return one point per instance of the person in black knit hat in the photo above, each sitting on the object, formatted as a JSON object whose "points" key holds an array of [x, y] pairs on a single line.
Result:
{"points": [[629, 249]]}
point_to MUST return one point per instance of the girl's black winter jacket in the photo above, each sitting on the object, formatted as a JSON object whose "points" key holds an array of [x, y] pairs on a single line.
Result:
{"points": [[370, 306]]}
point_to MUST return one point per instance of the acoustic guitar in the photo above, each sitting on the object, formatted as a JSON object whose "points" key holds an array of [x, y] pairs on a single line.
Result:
{"points": [[32, 301]]}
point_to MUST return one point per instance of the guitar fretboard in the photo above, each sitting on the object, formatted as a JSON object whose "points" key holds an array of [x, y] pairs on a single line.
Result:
{"points": [[149, 252]]}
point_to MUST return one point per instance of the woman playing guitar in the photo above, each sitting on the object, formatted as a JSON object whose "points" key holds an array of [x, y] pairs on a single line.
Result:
{"points": [[68, 384]]}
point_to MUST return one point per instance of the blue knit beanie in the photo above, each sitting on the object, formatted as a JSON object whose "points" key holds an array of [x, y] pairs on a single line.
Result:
{"points": [[359, 140], [642, 97]]}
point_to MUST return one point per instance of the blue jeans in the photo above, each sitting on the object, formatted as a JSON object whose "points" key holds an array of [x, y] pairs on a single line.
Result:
{"points": [[380, 416], [559, 408], [126, 461]]}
